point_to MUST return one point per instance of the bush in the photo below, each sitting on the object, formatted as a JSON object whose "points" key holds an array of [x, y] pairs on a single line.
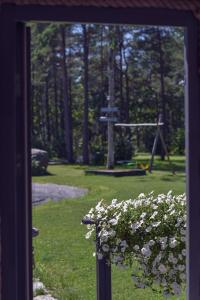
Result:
{"points": [[123, 148], [178, 143], [150, 230]]}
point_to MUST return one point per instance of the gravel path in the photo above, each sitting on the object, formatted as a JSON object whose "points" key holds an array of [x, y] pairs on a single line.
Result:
{"points": [[43, 192]]}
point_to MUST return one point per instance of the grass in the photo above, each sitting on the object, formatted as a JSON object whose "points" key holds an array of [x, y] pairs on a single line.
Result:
{"points": [[64, 261]]}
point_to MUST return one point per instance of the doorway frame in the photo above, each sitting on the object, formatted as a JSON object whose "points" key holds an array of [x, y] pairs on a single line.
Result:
{"points": [[16, 263]]}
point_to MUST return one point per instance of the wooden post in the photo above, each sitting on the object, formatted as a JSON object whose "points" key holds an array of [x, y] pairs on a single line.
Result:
{"points": [[154, 150], [192, 112], [103, 274], [103, 270]]}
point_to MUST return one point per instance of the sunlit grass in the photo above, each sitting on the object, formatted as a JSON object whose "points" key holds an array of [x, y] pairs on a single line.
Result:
{"points": [[64, 260]]}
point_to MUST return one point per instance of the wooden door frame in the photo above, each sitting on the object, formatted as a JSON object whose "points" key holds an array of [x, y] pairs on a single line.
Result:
{"points": [[10, 16]]}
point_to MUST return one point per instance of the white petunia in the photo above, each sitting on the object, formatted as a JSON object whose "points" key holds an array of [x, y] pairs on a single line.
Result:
{"points": [[156, 224], [184, 252], [113, 222], [162, 269], [136, 247], [181, 268], [146, 251], [148, 229], [172, 242], [154, 214], [176, 288], [105, 248]]}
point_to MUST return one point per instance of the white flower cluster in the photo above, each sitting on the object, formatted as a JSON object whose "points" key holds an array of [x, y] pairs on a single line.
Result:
{"points": [[150, 230]]}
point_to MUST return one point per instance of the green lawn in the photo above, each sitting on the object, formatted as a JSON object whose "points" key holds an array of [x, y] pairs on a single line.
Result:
{"points": [[64, 260]]}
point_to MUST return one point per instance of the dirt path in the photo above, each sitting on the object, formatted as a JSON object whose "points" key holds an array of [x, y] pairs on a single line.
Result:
{"points": [[43, 192]]}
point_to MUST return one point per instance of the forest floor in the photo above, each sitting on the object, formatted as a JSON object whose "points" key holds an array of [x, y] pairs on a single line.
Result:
{"points": [[64, 260]]}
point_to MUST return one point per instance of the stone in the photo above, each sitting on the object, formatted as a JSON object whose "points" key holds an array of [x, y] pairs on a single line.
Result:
{"points": [[44, 297], [37, 285], [39, 162]]}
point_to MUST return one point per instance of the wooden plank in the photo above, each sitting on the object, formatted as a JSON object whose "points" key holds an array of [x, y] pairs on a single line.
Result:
{"points": [[109, 109], [108, 119], [192, 115], [139, 124], [7, 121], [14, 206], [137, 16], [8, 155], [117, 172]]}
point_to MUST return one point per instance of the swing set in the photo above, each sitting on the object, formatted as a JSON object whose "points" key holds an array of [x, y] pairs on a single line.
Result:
{"points": [[158, 135]]}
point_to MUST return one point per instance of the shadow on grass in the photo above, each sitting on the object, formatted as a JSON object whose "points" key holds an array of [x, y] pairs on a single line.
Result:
{"points": [[43, 174]]}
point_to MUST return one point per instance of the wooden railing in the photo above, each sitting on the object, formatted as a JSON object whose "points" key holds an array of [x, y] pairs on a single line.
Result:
{"points": [[103, 270]]}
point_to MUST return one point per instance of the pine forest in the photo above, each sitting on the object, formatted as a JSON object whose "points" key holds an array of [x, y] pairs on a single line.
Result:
{"points": [[77, 69]]}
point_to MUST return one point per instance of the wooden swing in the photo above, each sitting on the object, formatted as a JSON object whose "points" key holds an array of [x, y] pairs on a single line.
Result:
{"points": [[155, 143]]}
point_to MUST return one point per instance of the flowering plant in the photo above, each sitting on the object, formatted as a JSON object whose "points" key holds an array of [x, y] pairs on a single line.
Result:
{"points": [[150, 230]]}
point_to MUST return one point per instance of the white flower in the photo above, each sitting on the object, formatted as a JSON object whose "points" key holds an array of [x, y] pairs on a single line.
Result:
{"points": [[135, 226], [154, 214], [181, 268], [158, 246], [166, 294], [176, 288], [154, 271], [105, 248], [172, 212], [148, 229], [141, 285], [99, 256], [114, 202], [183, 276], [183, 231], [154, 206], [172, 242], [170, 257], [183, 252], [164, 282], [162, 269], [156, 224], [143, 215], [112, 233], [88, 234], [113, 221], [136, 247], [174, 260], [116, 259], [134, 278], [151, 243], [146, 251]]}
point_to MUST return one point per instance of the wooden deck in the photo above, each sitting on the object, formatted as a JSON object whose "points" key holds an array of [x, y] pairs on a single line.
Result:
{"points": [[117, 172]]}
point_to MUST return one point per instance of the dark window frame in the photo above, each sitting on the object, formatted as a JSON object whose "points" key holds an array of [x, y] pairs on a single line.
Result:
{"points": [[17, 263]]}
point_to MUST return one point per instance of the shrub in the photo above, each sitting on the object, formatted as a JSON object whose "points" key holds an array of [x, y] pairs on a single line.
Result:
{"points": [[150, 230]]}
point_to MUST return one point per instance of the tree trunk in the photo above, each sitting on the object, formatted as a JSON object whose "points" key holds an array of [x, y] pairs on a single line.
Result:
{"points": [[102, 129], [111, 95], [162, 90], [122, 104], [67, 104], [56, 124], [47, 111], [85, 111]]}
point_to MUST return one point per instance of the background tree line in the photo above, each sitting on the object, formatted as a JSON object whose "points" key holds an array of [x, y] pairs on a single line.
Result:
{"points": [[70, 84]]}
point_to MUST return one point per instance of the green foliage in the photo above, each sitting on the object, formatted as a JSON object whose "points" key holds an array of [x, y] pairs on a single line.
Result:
{"points": [[123, 148], [149, 79], [37, 169], [178, 146]]}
